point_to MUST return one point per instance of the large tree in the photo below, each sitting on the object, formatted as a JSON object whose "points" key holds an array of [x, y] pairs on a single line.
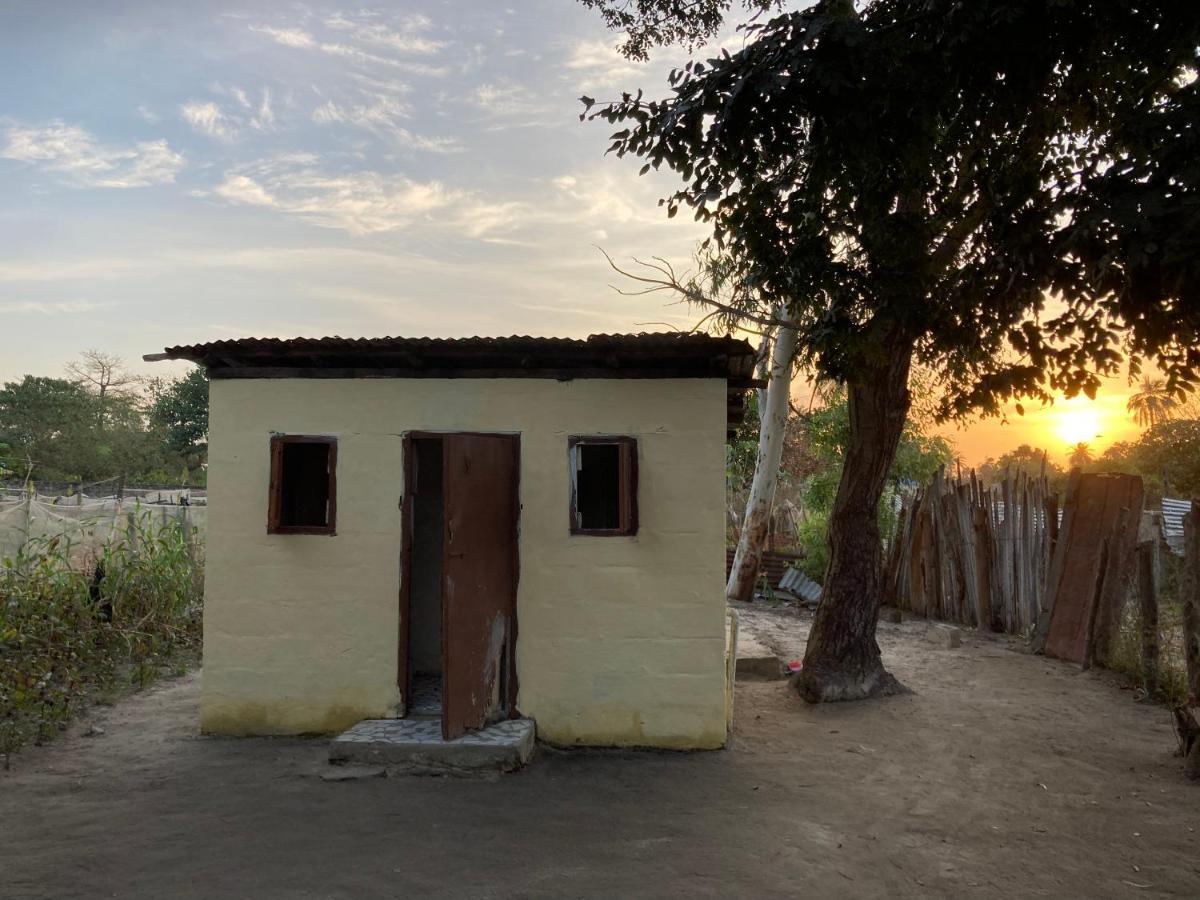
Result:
{"points": [[104, 375], [44, 421], [180, 409], [1004, 192]]}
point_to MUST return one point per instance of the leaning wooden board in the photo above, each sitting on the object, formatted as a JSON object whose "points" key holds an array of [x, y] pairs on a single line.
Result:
{"points": [[1092, 512]]}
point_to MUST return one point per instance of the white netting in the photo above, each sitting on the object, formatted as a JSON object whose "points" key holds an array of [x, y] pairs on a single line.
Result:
{"points": [[86, 523]]}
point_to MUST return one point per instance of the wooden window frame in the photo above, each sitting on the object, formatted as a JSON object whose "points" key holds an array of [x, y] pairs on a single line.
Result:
{"points": [[274, 506], [627, 480]]}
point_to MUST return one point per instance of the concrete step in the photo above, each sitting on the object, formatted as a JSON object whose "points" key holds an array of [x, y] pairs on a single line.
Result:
{"points": [[755, 659], [416, 746]]}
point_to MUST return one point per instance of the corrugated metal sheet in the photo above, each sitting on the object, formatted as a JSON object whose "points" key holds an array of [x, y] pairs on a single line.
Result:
{"points": [[606, 352], [640, 339], [647, 355], [801, 585], [1173, 511]]}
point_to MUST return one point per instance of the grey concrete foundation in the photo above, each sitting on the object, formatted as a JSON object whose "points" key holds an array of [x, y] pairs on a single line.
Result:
{"points": [[416, 746]]}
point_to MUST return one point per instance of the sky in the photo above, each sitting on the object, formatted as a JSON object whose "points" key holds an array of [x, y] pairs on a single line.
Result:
{"points": [[175, 174]]}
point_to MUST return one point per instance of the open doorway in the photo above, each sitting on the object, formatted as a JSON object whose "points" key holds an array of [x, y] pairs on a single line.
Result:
{"points": [[458, 582], [425, 597]]}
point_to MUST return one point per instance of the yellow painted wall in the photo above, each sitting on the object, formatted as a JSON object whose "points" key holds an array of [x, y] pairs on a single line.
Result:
{"points": [[621, 640]]}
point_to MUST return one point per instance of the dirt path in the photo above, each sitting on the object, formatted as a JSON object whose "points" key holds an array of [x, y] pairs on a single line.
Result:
{"points": [[1003, 775]]}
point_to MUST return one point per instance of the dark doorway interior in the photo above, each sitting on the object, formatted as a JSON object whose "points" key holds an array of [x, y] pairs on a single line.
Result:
{"points": [[425, 599]]}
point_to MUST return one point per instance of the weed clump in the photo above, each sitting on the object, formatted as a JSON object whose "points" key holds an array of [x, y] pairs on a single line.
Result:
{"points": [[73, 627]]}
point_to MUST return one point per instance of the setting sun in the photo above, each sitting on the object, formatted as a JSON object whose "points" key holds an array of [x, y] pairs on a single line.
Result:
{"points": [[1077, 421]]}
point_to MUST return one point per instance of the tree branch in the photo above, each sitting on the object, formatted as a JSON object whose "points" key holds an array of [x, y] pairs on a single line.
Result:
{"points": [[666, 280]]}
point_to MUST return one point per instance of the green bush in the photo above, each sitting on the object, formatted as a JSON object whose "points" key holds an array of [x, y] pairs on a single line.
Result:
{"points": [[70, 629], [813, 537]]}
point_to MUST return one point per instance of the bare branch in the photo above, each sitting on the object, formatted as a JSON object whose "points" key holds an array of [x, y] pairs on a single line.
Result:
{"points": [[665, 279]]}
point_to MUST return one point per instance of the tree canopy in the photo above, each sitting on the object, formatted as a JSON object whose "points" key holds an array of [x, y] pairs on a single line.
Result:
{"points": [[180, 408], [1010, 187], [96, 428]]}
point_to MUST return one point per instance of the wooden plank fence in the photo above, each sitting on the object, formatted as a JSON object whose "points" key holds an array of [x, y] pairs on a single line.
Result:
{"points": [[973, 555]]}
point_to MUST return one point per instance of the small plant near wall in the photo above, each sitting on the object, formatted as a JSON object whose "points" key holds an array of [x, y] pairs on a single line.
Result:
{"points": [[72, 629]]}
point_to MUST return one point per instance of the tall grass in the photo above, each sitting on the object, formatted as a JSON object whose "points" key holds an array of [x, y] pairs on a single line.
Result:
{"points": [[73, 625]]}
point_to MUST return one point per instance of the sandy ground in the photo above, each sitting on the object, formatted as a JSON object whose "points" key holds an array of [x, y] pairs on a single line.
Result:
{"points": [[1002, 775]]}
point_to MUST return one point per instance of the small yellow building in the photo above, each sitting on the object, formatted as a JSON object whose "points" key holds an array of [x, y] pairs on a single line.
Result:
{"points": [[495, 526]]}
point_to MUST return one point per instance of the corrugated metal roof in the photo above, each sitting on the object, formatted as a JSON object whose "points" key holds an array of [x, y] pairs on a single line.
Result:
{"points": [[652, 354], [641, 341], [629, 356]]}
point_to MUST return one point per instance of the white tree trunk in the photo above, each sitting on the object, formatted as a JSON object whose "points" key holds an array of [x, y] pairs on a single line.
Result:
{"points": [[772, 421]]}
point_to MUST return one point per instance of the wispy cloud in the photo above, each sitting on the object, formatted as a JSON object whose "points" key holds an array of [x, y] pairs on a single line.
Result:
{"points": [[207, 118], [504, 98], [74, 153], [366, 202], [266, 114], [366, 58], [368, 43], [407, 37], [599, 65], [289, 37], [52, 308], [381, 114], [360, 202], [211, 119]]}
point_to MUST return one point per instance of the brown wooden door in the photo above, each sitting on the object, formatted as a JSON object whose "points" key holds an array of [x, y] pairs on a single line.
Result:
{"points": [[479, 579]]}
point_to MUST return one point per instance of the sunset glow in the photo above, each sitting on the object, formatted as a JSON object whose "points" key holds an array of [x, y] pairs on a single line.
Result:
{"points": [[1056, 428], [1078, 421]]}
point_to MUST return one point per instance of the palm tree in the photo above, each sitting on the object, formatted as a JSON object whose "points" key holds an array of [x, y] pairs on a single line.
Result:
{"points": [[1081, 456], [1152, 404]]}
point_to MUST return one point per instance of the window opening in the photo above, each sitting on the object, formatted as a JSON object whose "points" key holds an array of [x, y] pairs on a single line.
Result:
{"points": [[603, 485], [303, 485]]}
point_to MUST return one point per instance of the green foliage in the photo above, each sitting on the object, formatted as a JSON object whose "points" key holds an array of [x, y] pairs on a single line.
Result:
{"points": [[68, 631], [1126, 653], [102, 426], [826, 435], [919, 175], [1172, 447], [741, 451], [918, 456], [44, 421], [813, 539], [180, 409]]}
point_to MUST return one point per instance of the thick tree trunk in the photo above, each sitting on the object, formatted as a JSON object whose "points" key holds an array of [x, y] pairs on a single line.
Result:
{"points": [[842, 660], [747, 559]]}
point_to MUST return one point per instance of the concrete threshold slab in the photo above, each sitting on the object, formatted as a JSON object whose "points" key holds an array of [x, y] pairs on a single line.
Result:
{"points": [[755, 660], [416, 746]]}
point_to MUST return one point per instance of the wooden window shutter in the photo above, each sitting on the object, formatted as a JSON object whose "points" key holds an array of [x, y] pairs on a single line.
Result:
{"points": [[628, 482]]}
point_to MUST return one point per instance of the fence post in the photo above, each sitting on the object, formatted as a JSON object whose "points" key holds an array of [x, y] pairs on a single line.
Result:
{"points": [[1191, 601], [1116, 577], [183, 519], [131, 536], [1148, 598], [28, 517]]}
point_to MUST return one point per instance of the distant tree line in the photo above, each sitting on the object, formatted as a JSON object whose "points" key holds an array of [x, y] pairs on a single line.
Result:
{"points": [[1166, 454], [101, 421]]}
